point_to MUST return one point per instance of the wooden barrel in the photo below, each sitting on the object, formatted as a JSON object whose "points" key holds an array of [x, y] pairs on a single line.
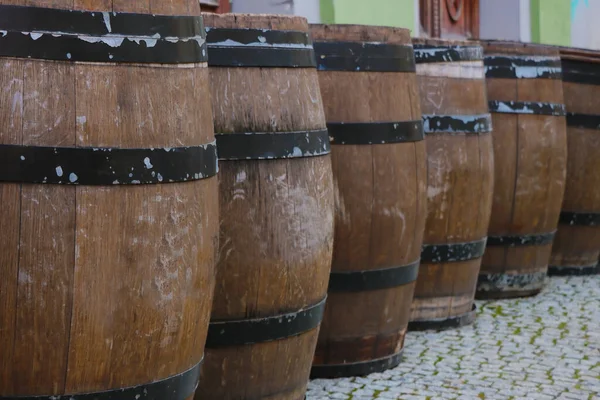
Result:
{"points": [[109, 199], [276, 201], [368, 80], [530, 152], [460, 163], [577, 243]]}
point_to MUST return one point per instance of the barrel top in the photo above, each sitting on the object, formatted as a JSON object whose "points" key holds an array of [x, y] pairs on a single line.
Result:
{"points": [[255, 21], [443, 42], [360, 33], [518, 48], [578, 54]]}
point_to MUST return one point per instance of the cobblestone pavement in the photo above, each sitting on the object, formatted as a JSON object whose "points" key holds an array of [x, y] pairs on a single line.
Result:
{"points": [[545, 347]]}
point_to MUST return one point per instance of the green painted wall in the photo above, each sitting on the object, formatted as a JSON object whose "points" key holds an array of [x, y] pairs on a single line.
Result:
{"points": [[551, 22], [400, 13]]}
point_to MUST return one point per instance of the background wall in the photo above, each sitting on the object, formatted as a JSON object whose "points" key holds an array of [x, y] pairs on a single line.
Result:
{"points": [[585, 24], [551, 22], [400, 13], [306, 8]]}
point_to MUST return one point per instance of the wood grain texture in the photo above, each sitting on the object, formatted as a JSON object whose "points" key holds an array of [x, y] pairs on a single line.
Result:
{"points": [[276, 228], [104, 287], [580, 245], [531, 160], [459, 192], [380, 203]]}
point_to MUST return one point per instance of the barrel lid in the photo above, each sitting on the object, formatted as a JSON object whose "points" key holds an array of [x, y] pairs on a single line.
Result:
{"points": [[255, 21], [518, 48], [579, 54], [359, 33], [443, 42]]}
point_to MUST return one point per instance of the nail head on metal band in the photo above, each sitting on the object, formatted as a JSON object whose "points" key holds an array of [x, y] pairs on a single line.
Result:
{"points": [[272, 145], [356, 369], [443, 323], [509, 282], [574, 270], [359, 281], [250, 331], [178, 387], [524, 107], [585, 121], [106, 166], [525, 67], [375, 132], [41, 33], [452, 252], [259, 48], [364, 57], [581, 219], [457, 124], [442, 54], [521, 240]]}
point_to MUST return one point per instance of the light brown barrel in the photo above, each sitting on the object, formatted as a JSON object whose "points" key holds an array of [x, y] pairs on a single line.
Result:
{"points": [[369, 85], [109, 199], [577, 243], [276, 197], [460, 163], [530, 151]]}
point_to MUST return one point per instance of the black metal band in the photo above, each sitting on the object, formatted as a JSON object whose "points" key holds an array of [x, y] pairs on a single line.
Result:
{"points": [[523, 67], [364, 57], [522, 240], [525, 107], [581, 219], [106, 166], [250, 331], [510, 282], [444, 323], [268, 146], [356, 369], [178, 387], [457, 124], [443, 54], [453, 252], [574, 270], [583, 121], [259, 48], [375, 132], [360, 281], [580, 72], [65, 35]]}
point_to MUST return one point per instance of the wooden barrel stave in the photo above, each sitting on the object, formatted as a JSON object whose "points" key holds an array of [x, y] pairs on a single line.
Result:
{"points": [[99, 273], [530, 150], [380, 207], [276, 226], [577, 244], [460, 178]]}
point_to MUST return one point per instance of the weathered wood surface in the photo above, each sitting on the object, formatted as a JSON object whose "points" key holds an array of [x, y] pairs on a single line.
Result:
{"points": [[276, 234], [380, 206], [459, 191], [530, 152], [577, 246], [104, 287]]}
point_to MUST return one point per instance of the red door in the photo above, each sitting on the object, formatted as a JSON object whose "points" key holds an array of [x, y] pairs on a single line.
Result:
{"points": [[218, 6], [450, 19]]}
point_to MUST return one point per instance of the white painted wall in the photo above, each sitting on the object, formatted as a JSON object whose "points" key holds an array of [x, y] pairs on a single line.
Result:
{"points": [[506, 20], [585, 24], [305, 8]]}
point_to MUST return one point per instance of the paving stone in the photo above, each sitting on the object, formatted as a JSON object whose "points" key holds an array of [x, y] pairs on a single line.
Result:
{"points": [[540, 348]]}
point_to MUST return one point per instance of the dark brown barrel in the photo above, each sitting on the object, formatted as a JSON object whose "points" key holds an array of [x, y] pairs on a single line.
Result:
{"points": [[276, 199], [369, 86], [460, 162], [109, 199], [530, 152], [577, 243]]}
